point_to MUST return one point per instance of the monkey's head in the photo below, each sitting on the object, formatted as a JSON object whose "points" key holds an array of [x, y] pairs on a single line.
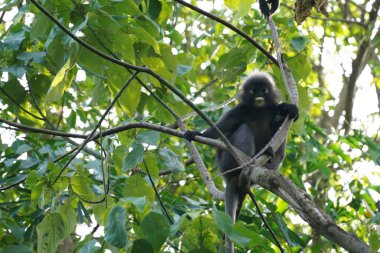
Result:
{"points": [[258, 90]]}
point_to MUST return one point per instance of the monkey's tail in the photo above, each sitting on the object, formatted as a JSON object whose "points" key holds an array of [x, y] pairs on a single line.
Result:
{"points": [[265, 221]]}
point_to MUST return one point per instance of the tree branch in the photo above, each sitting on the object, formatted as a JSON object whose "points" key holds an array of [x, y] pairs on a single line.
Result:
{"points": [[233, 28]]}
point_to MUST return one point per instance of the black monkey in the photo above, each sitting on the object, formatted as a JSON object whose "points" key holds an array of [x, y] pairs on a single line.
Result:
{"points": [[249, 126], [264, 7]]}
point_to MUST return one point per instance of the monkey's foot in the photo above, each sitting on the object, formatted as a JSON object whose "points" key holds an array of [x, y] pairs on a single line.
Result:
{"points": [[269, 151], [189, 135]]}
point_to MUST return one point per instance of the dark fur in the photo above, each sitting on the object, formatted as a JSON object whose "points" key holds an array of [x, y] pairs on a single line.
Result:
{"points": [[264, 7], [249, 126]]}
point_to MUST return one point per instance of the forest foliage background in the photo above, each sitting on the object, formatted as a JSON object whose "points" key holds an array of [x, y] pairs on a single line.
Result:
{"points": [[132, 190]]}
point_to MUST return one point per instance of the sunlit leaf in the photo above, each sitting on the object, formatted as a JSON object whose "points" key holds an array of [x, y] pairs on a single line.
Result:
{"points": [[50, 232]]}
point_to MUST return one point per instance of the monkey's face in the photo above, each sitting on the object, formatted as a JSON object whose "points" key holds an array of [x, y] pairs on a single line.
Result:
{"points": [[259, 95]]}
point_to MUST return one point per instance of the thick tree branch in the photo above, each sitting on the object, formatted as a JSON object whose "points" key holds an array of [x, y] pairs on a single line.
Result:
{"points": [[303, 204]]}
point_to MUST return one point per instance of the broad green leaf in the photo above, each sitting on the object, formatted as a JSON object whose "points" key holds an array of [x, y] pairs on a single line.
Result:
{"points": [[154, 8], [118, 158], [16, 249], [130, 98], [68, 215], [155, 228], [134, 158], [137, 186], [138, 202], [144, 36], [242, 6], [194, 237], [141, 245], [18, 93], [158, 66], [82, 187], [171, 160], [245, 236], [15, 37], [166, 13], [61, 81], [299, 43], [115, 230], [50, 232], [16, 70], [148, 137], [32, 57], [223, 220], [374, 238], [37, 191], [89, 247], [39, 85]]}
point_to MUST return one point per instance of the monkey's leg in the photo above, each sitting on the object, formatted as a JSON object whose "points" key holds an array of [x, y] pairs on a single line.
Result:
{"points": [[232, 202]]}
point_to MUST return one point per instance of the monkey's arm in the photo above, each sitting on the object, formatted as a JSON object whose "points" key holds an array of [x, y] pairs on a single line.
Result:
{"points": [[230, 121]]}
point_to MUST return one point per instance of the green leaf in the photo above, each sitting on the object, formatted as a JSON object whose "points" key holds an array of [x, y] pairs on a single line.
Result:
{"points": [[89, 247], [245, 236], [61, 82], [14, 38], [115, 230], [69, 217], [37, 57], [82, 187], [155, 229], [137, 186], [374, 238], [141, 245], [16, 249], [50, 232], [242, 6], [154, 8], [171, 160], [223, 221], [299, 43], [148, 137], [134, 158], [144, 36], [138, 202], [130, 98]]}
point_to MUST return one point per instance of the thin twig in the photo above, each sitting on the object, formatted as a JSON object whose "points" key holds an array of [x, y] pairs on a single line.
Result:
{"points": [[18, 105], [144, 70], [233, 28], [265, 221], [88, 138]]}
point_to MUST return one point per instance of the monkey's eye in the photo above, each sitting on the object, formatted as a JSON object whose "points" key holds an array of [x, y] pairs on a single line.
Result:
{"points": [[264, 91], [253, 91]]}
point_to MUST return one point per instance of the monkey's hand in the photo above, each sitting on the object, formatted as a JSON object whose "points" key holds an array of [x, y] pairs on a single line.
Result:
{"points": [[289, 109], [189, 135]]}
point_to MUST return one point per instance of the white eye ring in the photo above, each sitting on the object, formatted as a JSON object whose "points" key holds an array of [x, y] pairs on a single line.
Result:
{"points": [[265, 91], [251, 91]]}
